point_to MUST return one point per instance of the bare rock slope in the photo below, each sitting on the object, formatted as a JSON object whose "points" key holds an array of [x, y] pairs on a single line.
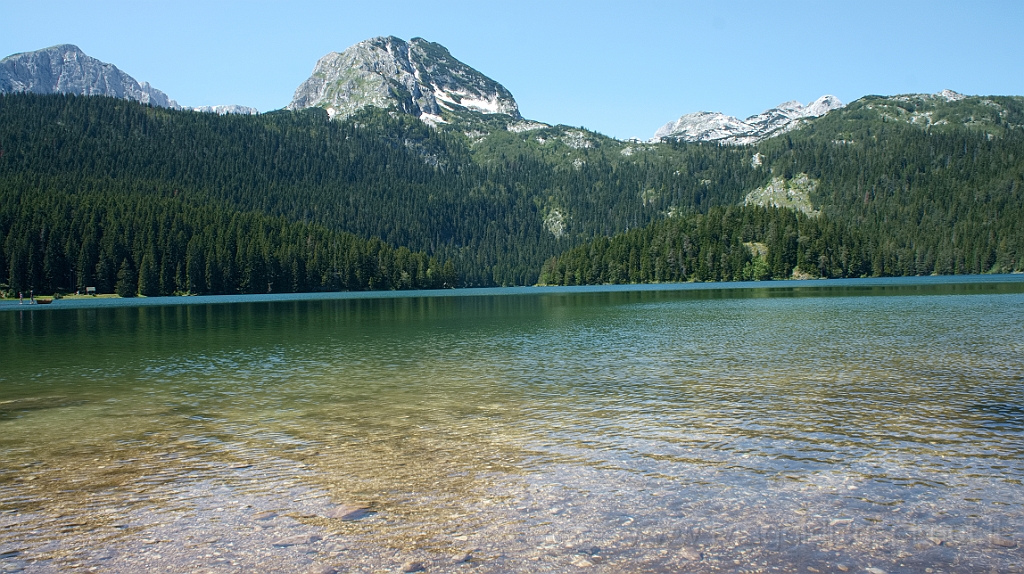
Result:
{"points": [[65, 69], [417, 77]]}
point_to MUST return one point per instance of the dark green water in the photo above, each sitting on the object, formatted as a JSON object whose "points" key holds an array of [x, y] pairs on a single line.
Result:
{"points": [[855, 424]]}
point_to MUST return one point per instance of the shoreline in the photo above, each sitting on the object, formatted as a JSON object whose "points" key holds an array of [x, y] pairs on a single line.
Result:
{"points": [[796, 285]]}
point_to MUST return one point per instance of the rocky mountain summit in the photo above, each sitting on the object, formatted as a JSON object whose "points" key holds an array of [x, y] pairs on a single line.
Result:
{"points": [[718, 127], [65, 69], [418, 77]]}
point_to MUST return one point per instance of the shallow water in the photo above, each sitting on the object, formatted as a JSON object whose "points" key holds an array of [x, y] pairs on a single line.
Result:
{"points": [[822, 426]]}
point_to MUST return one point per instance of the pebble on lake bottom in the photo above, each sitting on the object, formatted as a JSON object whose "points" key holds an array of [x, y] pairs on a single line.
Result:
{"points": [[413, 566], [1002, 541], [581, 562], [689, 554], [297, 540]]}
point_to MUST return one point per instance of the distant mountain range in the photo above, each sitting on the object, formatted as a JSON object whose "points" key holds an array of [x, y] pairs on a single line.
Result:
{"points": [[417, 77], [718, 127]]}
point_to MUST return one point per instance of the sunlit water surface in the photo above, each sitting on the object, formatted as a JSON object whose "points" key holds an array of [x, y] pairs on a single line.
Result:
{"points": [[836, 428]]}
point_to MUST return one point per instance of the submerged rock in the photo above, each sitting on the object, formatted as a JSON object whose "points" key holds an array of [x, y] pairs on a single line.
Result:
{"points": [[689, 554], [1002, 541], [413, 566], [581, 562], [349, 512]]}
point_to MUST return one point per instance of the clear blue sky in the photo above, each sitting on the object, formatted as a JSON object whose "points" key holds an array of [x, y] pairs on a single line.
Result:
{"points": [[622, 68]]}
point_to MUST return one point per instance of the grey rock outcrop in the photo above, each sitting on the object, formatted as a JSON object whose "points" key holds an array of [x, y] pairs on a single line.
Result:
{"points": [[718, 127], [65, 69], [417, 77]]}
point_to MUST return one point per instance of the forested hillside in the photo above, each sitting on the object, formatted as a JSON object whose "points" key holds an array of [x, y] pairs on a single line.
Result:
{"points": [[943, 198], [66, 234], [95, 191], [726, 244]]}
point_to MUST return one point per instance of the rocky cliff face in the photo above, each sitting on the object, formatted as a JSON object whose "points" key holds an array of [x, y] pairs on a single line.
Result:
{"points": [[65, 69], [718, 127], [418, 77]]}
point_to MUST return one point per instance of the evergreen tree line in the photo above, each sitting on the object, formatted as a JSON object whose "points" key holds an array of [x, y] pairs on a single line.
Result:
{"points": [[53, 240], [746, 243]]}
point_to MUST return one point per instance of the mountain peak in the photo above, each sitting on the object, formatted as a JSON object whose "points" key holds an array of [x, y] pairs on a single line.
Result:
{"points": [[66, 69], [718, 127], [950, 95], [418, 77], [822, 106], [790, 105]]}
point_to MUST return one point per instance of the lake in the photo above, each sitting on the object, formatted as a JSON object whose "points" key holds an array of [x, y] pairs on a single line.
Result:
{"points": [[828, 426]]}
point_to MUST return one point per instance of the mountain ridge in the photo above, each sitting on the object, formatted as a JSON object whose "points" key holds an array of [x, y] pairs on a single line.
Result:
{"points": [[66, 69], [718, 127], [423, 79]]}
